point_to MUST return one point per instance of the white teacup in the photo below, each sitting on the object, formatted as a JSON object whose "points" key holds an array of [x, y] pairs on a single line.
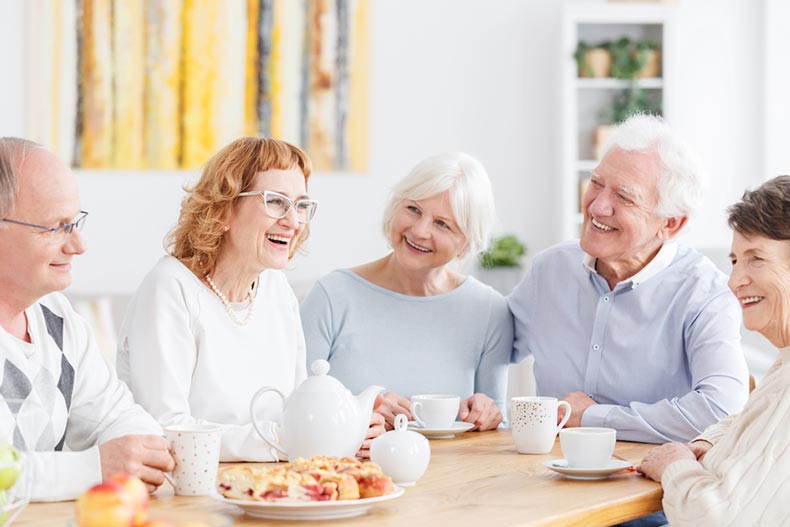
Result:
{"points": [[533, 421], [195, 449], [434, 410], [587, 447]]}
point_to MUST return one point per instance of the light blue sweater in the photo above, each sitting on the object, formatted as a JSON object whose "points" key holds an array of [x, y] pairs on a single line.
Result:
{"points": [[455, 343]]}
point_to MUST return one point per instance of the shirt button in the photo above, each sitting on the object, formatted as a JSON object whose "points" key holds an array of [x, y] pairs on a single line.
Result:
{"points": [[596, 347], [606, 299]]}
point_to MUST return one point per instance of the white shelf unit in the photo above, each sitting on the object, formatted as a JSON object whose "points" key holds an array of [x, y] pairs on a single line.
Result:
{"points": [[585, 101]]}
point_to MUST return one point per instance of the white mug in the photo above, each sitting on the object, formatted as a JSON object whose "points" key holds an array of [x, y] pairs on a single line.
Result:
{"points": [[533, 421], [195, 449], [587, 447], [435, 411]]}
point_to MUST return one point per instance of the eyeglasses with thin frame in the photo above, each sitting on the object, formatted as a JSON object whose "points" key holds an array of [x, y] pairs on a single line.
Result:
{"points": [[58, 233], [277, 205]]}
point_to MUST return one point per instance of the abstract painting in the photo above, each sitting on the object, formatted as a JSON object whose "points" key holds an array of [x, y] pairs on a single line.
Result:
{"points": [[163, 84]]}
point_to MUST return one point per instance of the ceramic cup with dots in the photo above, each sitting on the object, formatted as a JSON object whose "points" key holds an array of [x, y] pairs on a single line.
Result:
{"points": [[195, 449], [533, 421]]}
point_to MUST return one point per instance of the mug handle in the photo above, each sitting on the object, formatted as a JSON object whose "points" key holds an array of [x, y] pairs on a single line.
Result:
{"points": [[271, 442], [567, 415], [170, 479], [413, 409]]}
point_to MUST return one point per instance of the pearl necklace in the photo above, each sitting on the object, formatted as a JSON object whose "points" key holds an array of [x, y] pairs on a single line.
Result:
{"points": [[228, 309]]}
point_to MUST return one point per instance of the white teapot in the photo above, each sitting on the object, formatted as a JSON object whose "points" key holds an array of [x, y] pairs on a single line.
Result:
{"points": [[321, 417]]}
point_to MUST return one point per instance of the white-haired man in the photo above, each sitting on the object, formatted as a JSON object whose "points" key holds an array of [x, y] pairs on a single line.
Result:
{"points": [[636, 331], [60, 401]]}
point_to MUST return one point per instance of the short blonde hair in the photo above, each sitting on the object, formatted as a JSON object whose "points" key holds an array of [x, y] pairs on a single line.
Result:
{"points": [[13, 151], [471, 197], [208, 206]]}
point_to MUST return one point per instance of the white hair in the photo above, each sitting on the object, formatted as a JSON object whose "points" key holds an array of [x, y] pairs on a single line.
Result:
{"points": [[469, 188], [681, 182]]}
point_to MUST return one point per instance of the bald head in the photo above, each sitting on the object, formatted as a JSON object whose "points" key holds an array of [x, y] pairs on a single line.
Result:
{"points": [[13, 152]]}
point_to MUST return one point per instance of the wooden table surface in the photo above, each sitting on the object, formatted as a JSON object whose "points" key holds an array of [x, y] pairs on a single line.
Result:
{"points": [[476, 479]]}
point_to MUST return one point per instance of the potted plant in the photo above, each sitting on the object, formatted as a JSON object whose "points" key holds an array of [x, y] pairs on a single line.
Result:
{"points": [[500, 265], [634, 59], [593, 60]]}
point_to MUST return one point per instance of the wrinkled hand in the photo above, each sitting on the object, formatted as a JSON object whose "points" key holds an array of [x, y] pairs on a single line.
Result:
{"points": [[481, 410], [579, 402], [375, 429], [659, 458], [144, 456], [700, 447], [393, 405]]}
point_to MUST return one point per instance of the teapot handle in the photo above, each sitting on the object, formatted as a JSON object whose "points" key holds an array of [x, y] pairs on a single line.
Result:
{"points": [[271, 442]]}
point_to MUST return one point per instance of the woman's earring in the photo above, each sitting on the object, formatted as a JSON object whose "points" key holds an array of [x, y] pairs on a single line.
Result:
{"points": [[227, 228]]}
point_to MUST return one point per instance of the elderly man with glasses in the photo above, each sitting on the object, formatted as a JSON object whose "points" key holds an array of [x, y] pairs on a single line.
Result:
{"points": [[60, 401]]}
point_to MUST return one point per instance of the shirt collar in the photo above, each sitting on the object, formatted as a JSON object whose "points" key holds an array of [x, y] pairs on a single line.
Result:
{"points": [[659, 262]]}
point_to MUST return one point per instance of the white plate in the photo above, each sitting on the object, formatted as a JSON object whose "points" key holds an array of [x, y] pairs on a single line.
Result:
{"points": [[612, 467], [310, 510], [458, 427]]}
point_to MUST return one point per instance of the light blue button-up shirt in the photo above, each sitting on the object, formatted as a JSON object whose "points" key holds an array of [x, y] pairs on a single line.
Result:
{"points": [[660, 353]]}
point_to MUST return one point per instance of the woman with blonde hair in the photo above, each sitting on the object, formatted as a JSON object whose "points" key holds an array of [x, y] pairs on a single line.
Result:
{"points": [[216, 319]]}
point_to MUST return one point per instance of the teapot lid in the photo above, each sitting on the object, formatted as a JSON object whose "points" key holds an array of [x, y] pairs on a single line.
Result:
{"points": [[320, 381]]}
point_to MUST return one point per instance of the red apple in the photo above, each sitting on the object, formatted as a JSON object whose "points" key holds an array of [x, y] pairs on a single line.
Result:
{"points": [[139, 493], [107, 504], [157, 523]]}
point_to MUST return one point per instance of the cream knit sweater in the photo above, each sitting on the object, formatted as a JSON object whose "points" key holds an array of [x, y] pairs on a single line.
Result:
{"points": [[744, 479]]}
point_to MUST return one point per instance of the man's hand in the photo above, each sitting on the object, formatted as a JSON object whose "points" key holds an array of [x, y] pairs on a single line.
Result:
{"points": [[659, 458], [700, 447], [375, 429], [393, 405], [481, 410], [579, 402], [144, 456]]}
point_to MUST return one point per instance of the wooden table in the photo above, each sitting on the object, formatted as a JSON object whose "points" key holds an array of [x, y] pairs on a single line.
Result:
{"points": [[477, 479]]}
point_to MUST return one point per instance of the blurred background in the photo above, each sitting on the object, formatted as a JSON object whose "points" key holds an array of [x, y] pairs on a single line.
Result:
{"points": [[496, 79]]}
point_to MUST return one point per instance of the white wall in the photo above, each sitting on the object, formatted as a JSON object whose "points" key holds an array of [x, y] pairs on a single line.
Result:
{"points": [[451, 75]]}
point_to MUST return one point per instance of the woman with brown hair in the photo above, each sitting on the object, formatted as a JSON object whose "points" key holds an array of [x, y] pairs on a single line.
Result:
{"points": [[216, 319], [736, 472]]}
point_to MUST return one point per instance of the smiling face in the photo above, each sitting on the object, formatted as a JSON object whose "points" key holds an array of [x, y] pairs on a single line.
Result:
{"points": [[620, 226], [256, 240], [760, 279], [424, 234], [34, 263]]}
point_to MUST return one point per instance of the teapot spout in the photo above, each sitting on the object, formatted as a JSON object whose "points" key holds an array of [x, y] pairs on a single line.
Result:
{"points": [[365, 401]]}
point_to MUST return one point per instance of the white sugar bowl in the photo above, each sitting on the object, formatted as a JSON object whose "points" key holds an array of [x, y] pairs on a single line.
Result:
{"points": [[402, 454]]}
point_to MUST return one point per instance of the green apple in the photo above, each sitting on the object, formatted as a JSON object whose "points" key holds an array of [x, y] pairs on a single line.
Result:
{"points": [[9, 466], [3, 503]]}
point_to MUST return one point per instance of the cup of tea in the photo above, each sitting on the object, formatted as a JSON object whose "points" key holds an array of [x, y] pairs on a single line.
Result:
{"points": [[587, 447], [435, 411], [533, 421], [195, 449]]}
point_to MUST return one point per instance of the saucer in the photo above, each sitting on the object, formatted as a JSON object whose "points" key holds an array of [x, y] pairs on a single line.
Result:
{"points": [[457, 428], [611, 467]]}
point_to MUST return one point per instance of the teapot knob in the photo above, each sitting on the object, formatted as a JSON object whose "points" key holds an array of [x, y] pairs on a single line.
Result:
{"points": [[320, 367]]}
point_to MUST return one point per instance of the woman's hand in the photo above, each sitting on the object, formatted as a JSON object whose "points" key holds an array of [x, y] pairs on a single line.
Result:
{"points": [[375, 429], [481, 410], [393, 405], [659, 458]]}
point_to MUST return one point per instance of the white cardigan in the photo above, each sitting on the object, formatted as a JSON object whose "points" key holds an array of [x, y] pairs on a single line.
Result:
{"points": [[187, 362]]}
